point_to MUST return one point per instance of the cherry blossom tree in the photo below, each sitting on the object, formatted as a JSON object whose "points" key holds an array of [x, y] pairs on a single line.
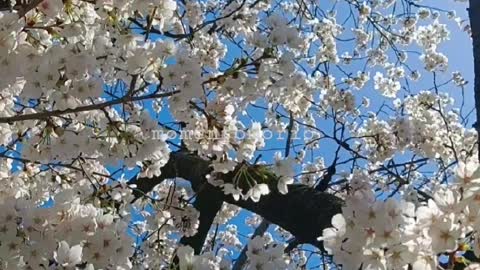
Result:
{"points": [[141, 134]]}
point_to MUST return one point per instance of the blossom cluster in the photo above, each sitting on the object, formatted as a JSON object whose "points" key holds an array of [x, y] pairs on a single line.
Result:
{"points": [[386, 234], [85, 84]]}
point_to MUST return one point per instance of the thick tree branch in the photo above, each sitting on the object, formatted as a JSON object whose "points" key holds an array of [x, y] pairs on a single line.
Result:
{"points": [[21, 9], [303, 211], [208, 202]]}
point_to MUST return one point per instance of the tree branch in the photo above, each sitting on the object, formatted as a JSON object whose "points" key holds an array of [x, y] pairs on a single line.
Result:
{"points": [[47, 114], [242, 258], [208, 202], [22, 9], [303, 211]]}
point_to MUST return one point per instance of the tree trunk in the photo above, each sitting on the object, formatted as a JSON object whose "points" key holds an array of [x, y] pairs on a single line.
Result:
{"points": [[474, 14]]}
